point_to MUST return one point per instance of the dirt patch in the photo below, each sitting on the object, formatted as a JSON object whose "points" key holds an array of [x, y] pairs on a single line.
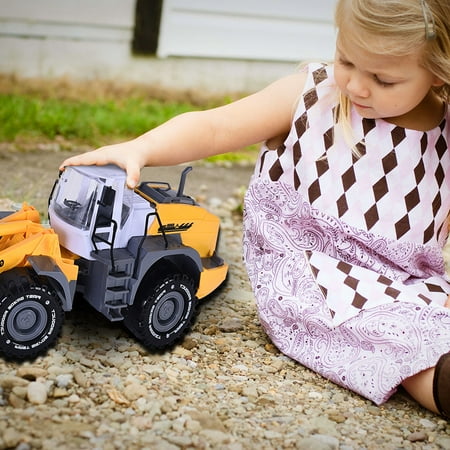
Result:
{"points": [[66, 88]]}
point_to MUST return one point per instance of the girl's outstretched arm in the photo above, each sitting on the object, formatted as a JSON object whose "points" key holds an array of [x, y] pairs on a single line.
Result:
{"points": [[195, 135]]}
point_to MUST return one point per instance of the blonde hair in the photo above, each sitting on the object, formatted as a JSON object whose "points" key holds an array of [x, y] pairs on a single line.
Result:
{"points": [[407, 25]]}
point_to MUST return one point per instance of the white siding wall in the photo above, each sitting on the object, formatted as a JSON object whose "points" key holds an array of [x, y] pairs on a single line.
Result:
{"points": [[62, 37], [240, 46], [286, 30]]}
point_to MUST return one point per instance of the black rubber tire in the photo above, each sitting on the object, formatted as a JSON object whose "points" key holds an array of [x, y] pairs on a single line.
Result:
{"points": [[163, 312], [31, 315]]}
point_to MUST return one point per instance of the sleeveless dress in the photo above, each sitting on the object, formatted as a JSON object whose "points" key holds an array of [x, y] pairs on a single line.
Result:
{"points": [[344, 252]]}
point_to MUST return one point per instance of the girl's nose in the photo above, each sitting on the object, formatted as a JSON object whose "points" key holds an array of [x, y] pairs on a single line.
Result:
{"points": [[357, 86]]}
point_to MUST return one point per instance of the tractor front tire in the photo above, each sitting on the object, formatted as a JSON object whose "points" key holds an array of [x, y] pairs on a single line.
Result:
{"points": [[163, 313], [31, 315]]}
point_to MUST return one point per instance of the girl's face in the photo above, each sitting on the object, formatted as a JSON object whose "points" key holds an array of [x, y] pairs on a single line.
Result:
{"points": [[395, 88]]}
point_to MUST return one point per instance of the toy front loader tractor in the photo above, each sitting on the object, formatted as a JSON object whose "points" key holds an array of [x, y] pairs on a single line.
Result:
{"points": [[141, 256]]}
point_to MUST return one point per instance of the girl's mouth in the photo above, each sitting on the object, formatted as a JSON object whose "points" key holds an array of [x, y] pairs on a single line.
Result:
{"points": [[360, 106]]}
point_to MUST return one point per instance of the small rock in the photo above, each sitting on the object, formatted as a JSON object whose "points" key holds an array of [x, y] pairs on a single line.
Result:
{"points": [[418, 436], [215, 437], [189, 343], [443, 442], [12, 438], [8, 382], [16, 402], [20, 391], [182, 351], [134, 391], [74, 398], [211, 330], [315, 395], [271, 349], [64, 380], [231, 324], [37, 393], [427, 424], [31, 373], [60, 393], [117, 397], [336, 417], [319, 442], [80, 377], [251, 392]]}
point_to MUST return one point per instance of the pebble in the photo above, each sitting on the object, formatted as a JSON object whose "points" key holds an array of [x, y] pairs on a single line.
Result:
{"points": [[418, 436], [37, 393]]}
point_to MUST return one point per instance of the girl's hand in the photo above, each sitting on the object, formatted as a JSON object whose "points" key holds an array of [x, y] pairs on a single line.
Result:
{"points": [[447, 303], [126, 155]]}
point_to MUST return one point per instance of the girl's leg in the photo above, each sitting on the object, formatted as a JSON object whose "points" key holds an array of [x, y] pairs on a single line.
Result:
{"points": [[420, 388], [431, 387]]}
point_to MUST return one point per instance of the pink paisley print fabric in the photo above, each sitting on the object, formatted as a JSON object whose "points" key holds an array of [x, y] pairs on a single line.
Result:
{"points": [[344, 253]]}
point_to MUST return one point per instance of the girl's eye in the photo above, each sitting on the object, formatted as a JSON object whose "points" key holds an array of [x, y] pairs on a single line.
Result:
{"points": [[383, 83], [345, 62]]}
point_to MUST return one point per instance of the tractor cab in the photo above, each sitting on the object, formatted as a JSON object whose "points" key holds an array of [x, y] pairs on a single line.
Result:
{"points": [[92, 209]]}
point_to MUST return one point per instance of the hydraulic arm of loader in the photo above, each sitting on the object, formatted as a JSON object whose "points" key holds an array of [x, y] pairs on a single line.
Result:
{"points": [[22, 235]]}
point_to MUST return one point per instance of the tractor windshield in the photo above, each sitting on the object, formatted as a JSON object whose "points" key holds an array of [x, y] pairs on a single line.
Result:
{"points": [[76, 198]]}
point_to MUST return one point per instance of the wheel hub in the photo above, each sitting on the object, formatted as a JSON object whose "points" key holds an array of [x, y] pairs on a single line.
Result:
{"points": [[27, 321], [168, 312]]}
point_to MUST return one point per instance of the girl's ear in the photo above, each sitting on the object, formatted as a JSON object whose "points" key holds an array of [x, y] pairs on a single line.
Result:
{"points": [[437, 82]]}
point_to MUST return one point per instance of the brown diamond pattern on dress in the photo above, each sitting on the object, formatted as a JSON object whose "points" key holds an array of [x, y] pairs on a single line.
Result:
{"points": [[424, 143], [428, 233], [441, 146], [412, 199], [348, 178], [296, 153], [319, 75], [301, 124], [296, 180], [310, 98], [314, 269], [389, 162], [276, 170], [351, 282], [402, 226], [437, 203], [371, 216], [425, 299], [419, 171], [342, 205], [322, 165], [440, 175], [434, 287], [361, 148], [328, 138], [380, 188], [314, 191], [398, 134], [359, 300], [384, 280], [344, 267], [392, 292], [368, 125]]}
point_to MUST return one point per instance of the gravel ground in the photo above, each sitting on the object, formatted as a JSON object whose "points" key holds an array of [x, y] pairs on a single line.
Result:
{"points": [[224, 387]]}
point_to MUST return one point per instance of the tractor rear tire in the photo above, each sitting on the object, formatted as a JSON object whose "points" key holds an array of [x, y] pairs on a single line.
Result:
{"points": [[31, 315], [163, 312]]}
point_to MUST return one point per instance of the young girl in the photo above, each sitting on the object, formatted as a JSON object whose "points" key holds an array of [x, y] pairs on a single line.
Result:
{"points": [[346, 214]]}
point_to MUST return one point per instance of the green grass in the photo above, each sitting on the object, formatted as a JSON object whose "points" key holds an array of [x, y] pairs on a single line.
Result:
{"points": [[92, 123], [30, 117]]}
